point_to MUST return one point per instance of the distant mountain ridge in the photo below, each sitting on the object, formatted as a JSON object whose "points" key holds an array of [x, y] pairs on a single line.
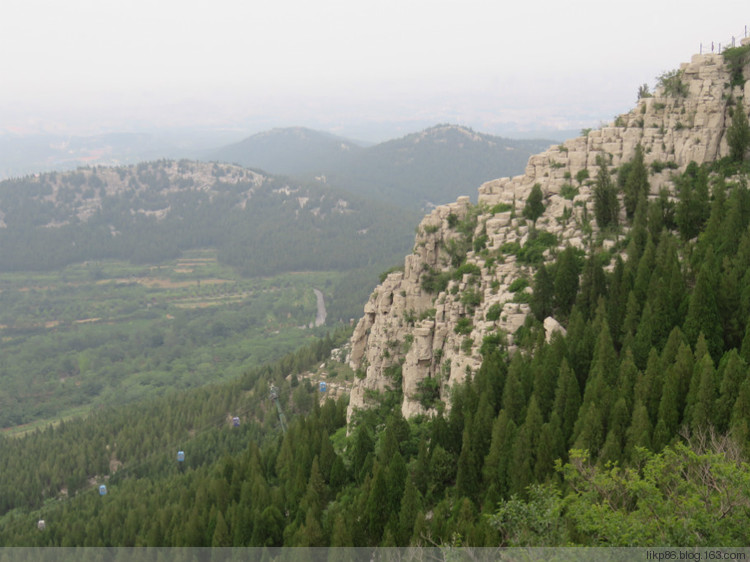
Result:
{"points": [[290, 151], [419, 170]]}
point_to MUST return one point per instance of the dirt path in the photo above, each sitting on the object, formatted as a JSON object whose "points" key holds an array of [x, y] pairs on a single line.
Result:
{"points": [[320, 317]]}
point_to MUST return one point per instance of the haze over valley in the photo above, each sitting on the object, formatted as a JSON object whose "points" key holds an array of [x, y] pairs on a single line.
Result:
{"points": [[436, 274]]}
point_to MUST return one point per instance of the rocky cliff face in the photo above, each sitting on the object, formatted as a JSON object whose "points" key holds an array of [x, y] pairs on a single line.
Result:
{"points": [[423, 327]]}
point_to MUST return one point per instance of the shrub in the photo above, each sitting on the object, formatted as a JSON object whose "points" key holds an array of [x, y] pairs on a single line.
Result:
{"points": [[435, 281], [501, 208], [394, 372], [582, 175], [490, 342], [471, 299], [429, 313], [480, 242], [464, 326], [522, 297], [511, 248], [428, 392], [493, 313], [534, 203], [533, 251], [470, 268], [657, 166], [671, 83], [389, 271], [736, 58], [568, 192], [518, 285]]}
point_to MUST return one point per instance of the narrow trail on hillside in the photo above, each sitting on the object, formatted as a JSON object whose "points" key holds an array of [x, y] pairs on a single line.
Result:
{"points": [[320, 317]]}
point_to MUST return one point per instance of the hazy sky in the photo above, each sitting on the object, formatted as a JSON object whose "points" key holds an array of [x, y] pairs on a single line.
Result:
{"points": [[93, 65]]}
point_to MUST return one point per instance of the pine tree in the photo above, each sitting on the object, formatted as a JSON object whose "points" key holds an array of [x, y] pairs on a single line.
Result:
{"points": [[593, 286], [627, 375], [566, 281], [738, 134], [703, 314], [616, 301], [340, 534], [580, 340], [606, 205], [639, 432], [396, 477], [692, 207], [534, 204], [745, 349], [542, 298], [643, 340], [728, 304], [645, 270], [411, 505], [513, 397], [221, 532], [739, 423], [377, 517], [495, 469], [732, 372], [612, 450], [524, 449], [420, 471], [467, 476], [551, 446], [668, 417], [363, 446], [703, 410], [636, 184]]}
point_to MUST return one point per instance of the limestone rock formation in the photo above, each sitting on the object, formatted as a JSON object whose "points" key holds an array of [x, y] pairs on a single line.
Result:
{"points": [[423, 327]]}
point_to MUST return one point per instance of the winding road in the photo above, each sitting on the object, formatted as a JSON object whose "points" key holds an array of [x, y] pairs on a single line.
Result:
{"points": [[320, 317]]}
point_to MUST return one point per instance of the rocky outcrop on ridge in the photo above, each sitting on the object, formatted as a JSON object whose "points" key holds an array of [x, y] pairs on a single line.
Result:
{"points": [[423, 327]]}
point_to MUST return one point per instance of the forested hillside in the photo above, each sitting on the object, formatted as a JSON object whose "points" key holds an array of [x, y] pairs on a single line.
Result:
{"points": [[615, 413], [153, 211]]}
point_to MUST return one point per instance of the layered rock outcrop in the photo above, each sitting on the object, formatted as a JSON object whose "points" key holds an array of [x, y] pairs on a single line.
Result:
{"points": [[463, 285]]}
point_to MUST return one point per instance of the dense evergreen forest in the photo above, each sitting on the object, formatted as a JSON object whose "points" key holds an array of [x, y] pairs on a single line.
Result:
{"points": [[633, 428]]}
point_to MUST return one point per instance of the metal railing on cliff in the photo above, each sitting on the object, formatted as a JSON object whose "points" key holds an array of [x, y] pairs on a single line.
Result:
{"points": [[714, 47]]}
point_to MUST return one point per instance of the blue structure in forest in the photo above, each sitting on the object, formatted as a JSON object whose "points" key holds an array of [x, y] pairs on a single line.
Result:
{"points": [[235, 421], [180, 456], [102, 490], [323, 386]]}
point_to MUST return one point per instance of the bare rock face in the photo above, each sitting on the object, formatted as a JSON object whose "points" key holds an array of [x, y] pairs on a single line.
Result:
{"points": [[463, 285], [551, 327]]}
